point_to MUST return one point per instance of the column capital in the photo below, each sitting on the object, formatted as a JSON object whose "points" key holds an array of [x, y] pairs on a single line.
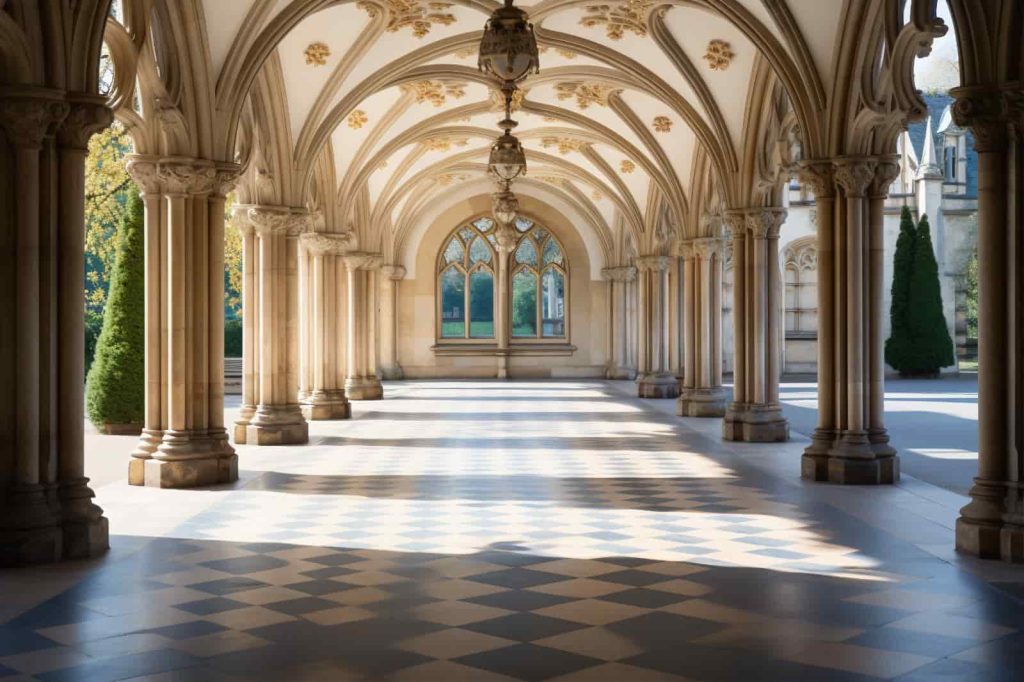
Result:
{"points": [[761, 222], [886, 170], [706, 247], [654, 263], [86, 117], [225, 178], [991, 112], [267, 220], [855, 174], [624, 273], [393, 272], [361, 260], [819, 175], [28, 119], [186, 176], [329, 243], [144, 171]]}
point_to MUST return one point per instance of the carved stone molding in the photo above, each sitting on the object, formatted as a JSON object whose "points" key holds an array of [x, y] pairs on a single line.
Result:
{"points": [[819, 176], [329, 244], [393, 272], [887, 169], [84, 119], [362, 261], [507, 238], [653, 263], [705, 248], [28, 120], [265, 220], [624, 273], [144, 172], [855, 175], [225, 178], [758, 222], [991, 113]]}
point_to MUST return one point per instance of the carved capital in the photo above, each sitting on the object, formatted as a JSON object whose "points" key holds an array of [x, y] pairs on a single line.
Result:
{"points": [[736, 223], [764, 223], [329, 244], [707, 247], [186, 176], [225, 178], [362, 261], [28, 120], [819, 176], [855, 175], [84, 119], [145, 172], [653, 263], [393, 272], [990, 112], [268, 220], [625, 273], [886, 170]]}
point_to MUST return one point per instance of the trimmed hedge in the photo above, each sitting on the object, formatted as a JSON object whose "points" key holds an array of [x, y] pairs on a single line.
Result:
{"points": [[115, 388], [899, 347]]}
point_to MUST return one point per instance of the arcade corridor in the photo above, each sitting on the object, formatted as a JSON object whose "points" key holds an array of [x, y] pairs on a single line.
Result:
{"points": [[526, 531]]}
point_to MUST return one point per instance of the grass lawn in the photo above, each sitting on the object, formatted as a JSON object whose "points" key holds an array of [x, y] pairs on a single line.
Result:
{"points": [[477, 330]]}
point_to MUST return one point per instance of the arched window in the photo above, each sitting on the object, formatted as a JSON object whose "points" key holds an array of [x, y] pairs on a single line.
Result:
{"points": [[465, 282], [539, 269], [801, 277]]}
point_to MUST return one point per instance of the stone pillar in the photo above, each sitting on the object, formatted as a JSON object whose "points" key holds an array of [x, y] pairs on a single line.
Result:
{"points": [[270, 364], [250, 330], [702, 394], [506, 238], [47, 512], [991, 525], [850, 444], [325, 396], [391, 276], [618, 278], [361, 383], [184, 442], [754, 415], [656, 381]]}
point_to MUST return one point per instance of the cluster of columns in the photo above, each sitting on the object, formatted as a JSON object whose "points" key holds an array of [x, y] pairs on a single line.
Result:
{"points": [[184, 441], [654, 380], [621, 283], [755, 414], [991, 525], [46, 509], [391, 277], [702, 394], [850, 443], [271, 414], [361, 382]]}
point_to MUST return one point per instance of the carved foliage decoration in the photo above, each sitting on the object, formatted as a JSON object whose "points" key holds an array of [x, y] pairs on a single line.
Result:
{"points": [[357, 119], [498, 99], [317, 54], [617, 18], [719, 55], [564, 145], [434, 91], [585, 93], [443, 144], [415, 14], [627, 166], [662, 124]]}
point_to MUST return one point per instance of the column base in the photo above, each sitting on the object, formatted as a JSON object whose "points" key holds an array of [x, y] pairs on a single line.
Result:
{"points": [[991, 525], [29, 531], [186, 459], [615, 372], [753, 423], [364, 388], [326, 405], [658, 385], [702, 402], [245, 415], [850, 459], [86, 532], [393, 372], [277, 425]]}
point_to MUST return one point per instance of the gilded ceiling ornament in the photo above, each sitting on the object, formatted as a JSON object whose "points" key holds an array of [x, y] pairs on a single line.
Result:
{"points": [[465, 53], [597, 195], [627, 166], [564, 145], [550, 119], [550, 179], [718, 55], [447, 179], [443, 144], [630, 15], [662, 124], [357, 119], [498, 99], [435, 92], [419, 15], [585, 93], [317, 54]]}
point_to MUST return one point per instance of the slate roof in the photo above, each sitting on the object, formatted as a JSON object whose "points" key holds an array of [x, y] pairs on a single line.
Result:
{"points": [[937, 103]]}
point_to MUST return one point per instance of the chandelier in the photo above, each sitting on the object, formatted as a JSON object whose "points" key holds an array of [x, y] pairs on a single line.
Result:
{"points": [[507, 160], [508, 49], [504, 204]]}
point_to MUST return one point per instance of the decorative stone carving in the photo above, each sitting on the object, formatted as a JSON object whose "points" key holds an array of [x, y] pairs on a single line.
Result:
{"points": [[276, 220], [225, 178], [393, 272], [186, 176], [564, 145], [28, 121], [627, 166], [618, 18], [329, 244], [442, 143], [819, 176], [855, 175], [415, 14], [317, 54], [656, 263], [498, 99], [585, 93], [705, 248], [357, 119], [624, 273], [719, 55], [764, 223], [434, 91], [662, 124], [363, 261], [144, 172], [84, 120], [986, 111], [886, 170], [507, 238]]}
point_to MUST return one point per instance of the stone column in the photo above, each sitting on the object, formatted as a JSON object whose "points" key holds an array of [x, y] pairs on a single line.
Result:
{"points": [[506, 238], [702, 394], [272, 361], [618, 279], [325, 398], [850, 444], [250, 329], [391, 276], [656, 381], [184, 442], [361, 383], [991, 525], [754, 415]]}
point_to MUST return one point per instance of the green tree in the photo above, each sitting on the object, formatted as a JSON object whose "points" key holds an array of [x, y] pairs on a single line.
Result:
{"points": [[899, 347], [116, 382], [970, 283], [933, 347]]}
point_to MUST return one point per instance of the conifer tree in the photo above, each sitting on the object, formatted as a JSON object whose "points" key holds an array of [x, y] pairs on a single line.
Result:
{"points": [[115, 389], [933, 347], [899, 347]]}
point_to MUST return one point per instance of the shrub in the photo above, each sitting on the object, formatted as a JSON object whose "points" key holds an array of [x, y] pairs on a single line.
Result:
{"points": [[899, 347], [933, 347], [232, 338]]}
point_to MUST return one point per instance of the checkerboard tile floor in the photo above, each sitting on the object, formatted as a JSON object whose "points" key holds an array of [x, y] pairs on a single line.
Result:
{"points": [[508, 531]]}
